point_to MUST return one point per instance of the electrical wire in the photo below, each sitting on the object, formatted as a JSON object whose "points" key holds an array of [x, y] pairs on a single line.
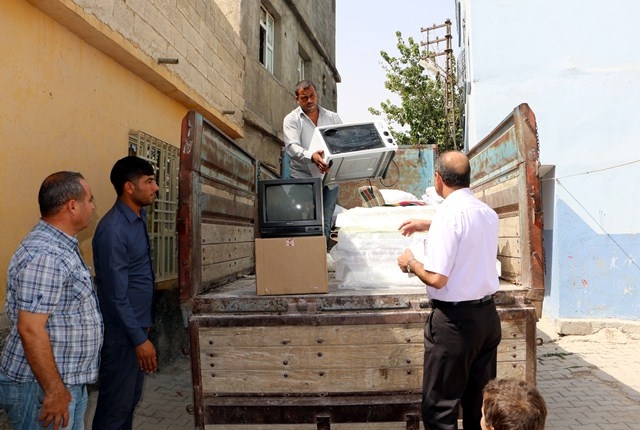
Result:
{"points": [[394, 182], [628, 255], [592, 171]]}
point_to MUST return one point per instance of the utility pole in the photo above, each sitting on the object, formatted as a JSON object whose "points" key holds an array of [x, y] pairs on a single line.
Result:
{"points": [[449, 81]]}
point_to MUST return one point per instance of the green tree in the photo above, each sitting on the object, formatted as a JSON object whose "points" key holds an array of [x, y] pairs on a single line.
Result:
{"points": [[420, 117]]}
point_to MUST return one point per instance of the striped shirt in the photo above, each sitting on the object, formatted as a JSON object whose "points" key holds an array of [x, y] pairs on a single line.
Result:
{"points": [[48, 276]]}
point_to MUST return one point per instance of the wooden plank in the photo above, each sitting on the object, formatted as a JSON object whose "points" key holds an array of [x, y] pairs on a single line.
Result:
{"points": [[311, 336], [305, 357], [308, 410], [213, 273], [196, 377], [356, 380], [225, 162], [256, 369], [334, 426], [331, 380], [512, 369], [229, 205], [511, 269], [513, 326], [188, 218], [222, 252], [505, 183], [530, 318], [512, 350], [509, 226], [503, 198], [331, 357], [509, 247], [224, 233], [261, 427]]}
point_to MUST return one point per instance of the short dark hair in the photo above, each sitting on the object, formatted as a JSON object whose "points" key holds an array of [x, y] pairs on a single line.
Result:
{"points": [[303, 85], [57, 189], [453, 176], [129, 169], [512, 404]]}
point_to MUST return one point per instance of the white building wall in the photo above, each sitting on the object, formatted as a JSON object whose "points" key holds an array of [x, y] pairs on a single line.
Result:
{"points": [[577, 65]]}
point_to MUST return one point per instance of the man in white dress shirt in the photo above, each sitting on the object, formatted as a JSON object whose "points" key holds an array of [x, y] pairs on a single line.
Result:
{"points": [[463, 331], [298, 127]]}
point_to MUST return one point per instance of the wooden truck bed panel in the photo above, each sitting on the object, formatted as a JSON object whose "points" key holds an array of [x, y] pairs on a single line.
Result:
{"points": [[216, 208], [504, 173], [303, 365]]}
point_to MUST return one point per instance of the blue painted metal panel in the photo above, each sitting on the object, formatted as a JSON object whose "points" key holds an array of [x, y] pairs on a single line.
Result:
{"points": [[411, 170]]}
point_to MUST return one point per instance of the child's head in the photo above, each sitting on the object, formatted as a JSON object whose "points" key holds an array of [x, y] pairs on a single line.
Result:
{"points": [[510, 404]]}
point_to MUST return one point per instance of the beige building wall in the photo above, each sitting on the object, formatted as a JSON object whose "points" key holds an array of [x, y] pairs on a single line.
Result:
{"points": [[80, 75]]}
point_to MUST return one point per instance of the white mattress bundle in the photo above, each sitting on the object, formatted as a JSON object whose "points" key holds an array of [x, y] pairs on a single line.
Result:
{"points": [[369, 244]]}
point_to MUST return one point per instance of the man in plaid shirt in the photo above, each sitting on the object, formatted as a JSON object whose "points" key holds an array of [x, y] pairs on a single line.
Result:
{"points": [[53, 347]]}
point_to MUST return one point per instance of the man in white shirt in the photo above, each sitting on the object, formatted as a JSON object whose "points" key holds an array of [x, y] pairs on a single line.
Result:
{"points": [[298, 127], [463, 331]]}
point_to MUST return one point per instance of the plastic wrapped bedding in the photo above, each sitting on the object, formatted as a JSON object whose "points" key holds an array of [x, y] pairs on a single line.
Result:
{"points": [[369, 244], [383, 218]]}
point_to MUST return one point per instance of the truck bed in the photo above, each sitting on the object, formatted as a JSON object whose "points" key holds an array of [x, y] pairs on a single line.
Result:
{"points": [[352, 355]]}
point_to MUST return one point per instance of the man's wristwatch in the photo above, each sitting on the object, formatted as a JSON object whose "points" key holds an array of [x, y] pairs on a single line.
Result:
{"points": [[409, 264]]}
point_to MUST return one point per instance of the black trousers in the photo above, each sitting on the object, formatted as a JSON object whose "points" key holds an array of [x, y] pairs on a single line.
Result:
{"points": [[120, 383], [460, 357]]}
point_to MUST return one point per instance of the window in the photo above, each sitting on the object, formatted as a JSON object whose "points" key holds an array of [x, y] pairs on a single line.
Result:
{"points": [[266, 38], [161, 217], [301, 68]]}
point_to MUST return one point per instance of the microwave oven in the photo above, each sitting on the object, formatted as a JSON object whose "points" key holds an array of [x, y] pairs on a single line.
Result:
{"points": [[354, 151]]}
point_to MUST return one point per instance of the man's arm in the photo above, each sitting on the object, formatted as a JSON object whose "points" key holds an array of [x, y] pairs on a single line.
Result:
{"points": [[409, 264], [39, 355], [411, 226], [292, 129], [112, 265]]}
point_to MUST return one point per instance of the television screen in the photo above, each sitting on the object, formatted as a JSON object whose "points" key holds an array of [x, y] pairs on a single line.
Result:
{"points": [[349, 139], [290, 207], [289, 202]]}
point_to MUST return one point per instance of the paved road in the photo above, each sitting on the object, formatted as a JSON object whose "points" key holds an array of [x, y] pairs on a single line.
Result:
{"points": [[590, 382]]}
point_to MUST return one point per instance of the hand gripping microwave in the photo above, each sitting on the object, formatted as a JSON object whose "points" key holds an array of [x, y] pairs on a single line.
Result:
{"points": [[354, 151]]}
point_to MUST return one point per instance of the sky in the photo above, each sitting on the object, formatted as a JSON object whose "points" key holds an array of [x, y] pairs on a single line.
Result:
{"points": [[363, 29]]}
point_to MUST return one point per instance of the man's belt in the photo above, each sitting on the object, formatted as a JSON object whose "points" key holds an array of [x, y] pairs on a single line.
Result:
{"points": [[465, 304]]}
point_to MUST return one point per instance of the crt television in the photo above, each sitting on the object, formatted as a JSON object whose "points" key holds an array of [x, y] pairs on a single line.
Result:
{"points": [[354, 151], [290, 207]]}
